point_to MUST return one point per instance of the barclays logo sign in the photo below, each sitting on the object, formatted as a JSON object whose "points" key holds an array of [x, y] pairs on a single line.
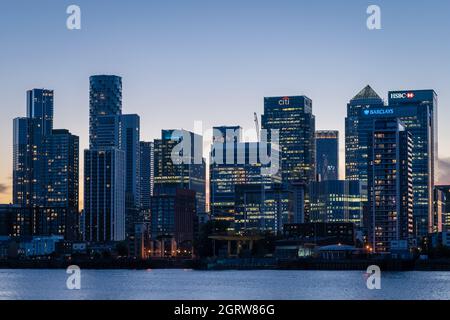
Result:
{"points": [[378, 112]]}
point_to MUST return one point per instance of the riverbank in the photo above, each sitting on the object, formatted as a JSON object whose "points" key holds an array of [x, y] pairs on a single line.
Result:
{"points": [[233, 264]]}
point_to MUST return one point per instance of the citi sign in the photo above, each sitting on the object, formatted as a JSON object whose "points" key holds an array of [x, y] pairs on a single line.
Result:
{"points": [[378, 112], [284, 102], [403, 95]]}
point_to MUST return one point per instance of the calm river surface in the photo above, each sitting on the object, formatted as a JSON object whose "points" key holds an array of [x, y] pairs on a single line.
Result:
{"points": [[224, 285]]}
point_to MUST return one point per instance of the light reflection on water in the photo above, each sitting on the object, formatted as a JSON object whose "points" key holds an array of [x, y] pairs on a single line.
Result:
{"points": [[196, 285]]}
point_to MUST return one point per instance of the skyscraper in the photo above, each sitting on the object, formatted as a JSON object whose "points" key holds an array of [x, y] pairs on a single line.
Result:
{"points": [[418, 109], [105, 98], [147, 173], [29, 154], [104, 195], [189, 173], [62, 184], [45, 169], [327, 155], [336, 201], [105, 162], [293, 118], [234, 163], [358, 128], [390, 186], [129, 143]]}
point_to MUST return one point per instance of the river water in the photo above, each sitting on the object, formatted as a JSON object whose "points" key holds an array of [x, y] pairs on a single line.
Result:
{"points": [[223, 285]]}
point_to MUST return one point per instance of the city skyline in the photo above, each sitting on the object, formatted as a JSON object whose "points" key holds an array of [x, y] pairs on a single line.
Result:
{"points": [[175, 96]]}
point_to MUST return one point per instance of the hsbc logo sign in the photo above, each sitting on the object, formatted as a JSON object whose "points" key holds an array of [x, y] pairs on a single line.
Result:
{"points": [[284, 102], [403, 95]]}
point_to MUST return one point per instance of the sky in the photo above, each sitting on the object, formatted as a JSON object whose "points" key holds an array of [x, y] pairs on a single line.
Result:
{"points": [[214, 61]]}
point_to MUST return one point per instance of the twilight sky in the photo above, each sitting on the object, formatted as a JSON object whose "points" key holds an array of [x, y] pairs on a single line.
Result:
{"points": [[214, 61]]}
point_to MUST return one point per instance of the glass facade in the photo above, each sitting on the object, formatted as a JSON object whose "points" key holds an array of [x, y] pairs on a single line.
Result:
{"points": [[293, 118], [45, 169], [337, 201], [190, 174], [327, 149], [266, 210], [104, 195], [235, 163], [105, 98]]}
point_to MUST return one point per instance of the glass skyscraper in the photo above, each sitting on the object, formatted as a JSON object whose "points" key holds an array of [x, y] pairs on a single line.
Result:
{"points": [[357, 134], [293, 118], [104, 195], [105, 98], [105, 163], [45, 169], [235, 163], [418, 109], [336, 201], [191, 174], [327, 155]]}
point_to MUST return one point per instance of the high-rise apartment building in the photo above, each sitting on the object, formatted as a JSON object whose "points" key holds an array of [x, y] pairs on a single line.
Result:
{"points": [[390, 186]]}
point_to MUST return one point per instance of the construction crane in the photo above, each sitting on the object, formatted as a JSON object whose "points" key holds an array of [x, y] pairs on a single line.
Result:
{"points": [[257, 126], [263, 188]]}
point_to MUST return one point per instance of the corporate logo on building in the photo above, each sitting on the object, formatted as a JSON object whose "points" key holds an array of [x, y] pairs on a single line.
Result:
{"points": [[284, 102], [403, 95], [378, 112]]}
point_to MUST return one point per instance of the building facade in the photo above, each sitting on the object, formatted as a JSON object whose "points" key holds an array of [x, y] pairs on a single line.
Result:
{"points": [[327, 155], [105, 98], [263, 209], [147, 173], [390, 186], [418, 109], [104, 195], [337, 201], [179, 164], [357, 134], [295, 122], [234, 163], [445, 189]]}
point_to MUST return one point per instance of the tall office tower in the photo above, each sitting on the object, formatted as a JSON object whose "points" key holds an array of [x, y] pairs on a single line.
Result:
{"points": [[418, 109], [186, 171], [390, 186], [28, 154], [147, 173], [104, 195], [293, 117], [105, 98], [236, 163], [446, 210], [327, 155], [357, 133], [336, 201]]}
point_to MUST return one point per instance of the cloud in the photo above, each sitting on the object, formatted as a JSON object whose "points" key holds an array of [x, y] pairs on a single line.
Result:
{"points": [[444, 171]]}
